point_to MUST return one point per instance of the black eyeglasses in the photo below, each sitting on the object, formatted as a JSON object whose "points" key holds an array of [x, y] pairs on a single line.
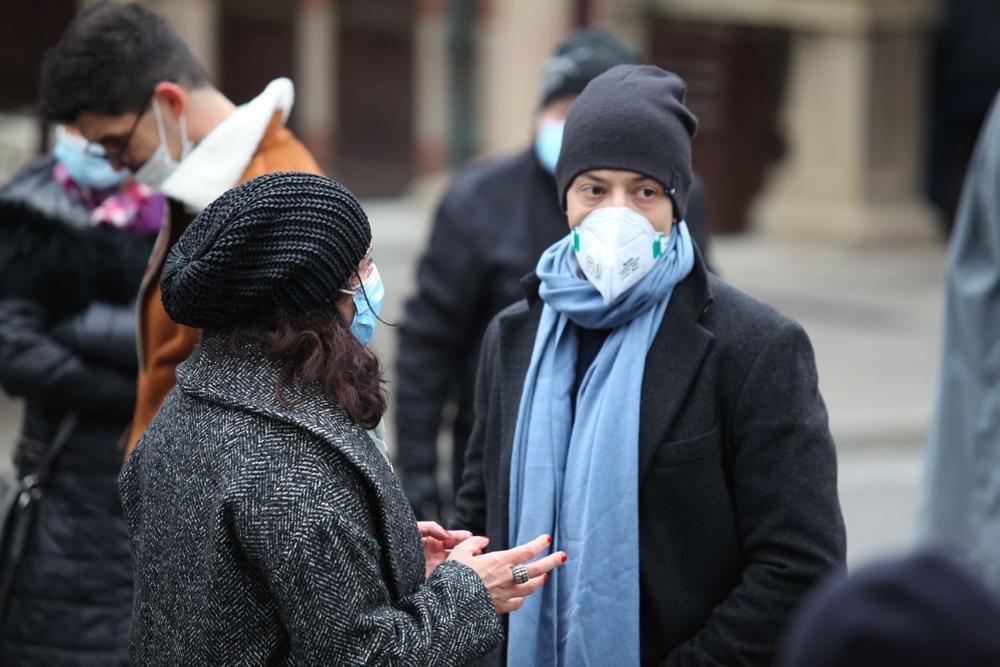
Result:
{"points": [[116, 155]]}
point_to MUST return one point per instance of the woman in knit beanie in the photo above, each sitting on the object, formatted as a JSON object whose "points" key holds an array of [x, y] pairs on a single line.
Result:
{"points": [[266, 524], [664, 427]]}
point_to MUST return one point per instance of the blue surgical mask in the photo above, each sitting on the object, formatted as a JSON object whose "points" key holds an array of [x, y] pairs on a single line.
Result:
{"points": [[86, 164], [548, 141], [367, 305]]}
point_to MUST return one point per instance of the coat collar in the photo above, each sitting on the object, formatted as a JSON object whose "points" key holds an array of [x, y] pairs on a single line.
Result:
{"points": [[239, 376], [672, 363]]}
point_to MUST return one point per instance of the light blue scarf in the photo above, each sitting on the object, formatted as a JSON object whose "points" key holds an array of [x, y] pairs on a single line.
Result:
{"points": [[578, 480]]}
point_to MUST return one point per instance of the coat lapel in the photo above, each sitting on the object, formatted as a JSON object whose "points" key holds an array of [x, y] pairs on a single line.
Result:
{"points": [[517, 341], [673, 361]]}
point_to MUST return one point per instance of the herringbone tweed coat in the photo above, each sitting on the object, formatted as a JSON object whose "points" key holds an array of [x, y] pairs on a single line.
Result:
{"points": [[266, 533]]}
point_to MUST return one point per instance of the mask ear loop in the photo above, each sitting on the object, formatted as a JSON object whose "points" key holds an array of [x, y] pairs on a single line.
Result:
{"points": [[361, 286]]}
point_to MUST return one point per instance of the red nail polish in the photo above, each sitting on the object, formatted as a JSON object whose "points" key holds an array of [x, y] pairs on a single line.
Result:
{"points": [[564, 558], [545, 578], [550, 540]]}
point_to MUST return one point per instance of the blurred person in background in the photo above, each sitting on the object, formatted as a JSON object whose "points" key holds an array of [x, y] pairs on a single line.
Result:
{"points": [[665, 428], [75, 235], [923, 610], [489, 231], [961, 491], [129, 82], [266, 523]]}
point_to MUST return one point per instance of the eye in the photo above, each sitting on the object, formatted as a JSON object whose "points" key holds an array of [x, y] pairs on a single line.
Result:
{"points": [[648, 192], [593, 190]]}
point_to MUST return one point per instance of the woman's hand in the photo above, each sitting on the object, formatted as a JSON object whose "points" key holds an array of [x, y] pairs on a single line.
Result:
{"points": [[495, 568], [438, 543]]}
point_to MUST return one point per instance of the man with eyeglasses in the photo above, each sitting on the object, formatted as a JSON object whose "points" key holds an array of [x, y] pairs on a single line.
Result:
{"points": [[131, 85]]}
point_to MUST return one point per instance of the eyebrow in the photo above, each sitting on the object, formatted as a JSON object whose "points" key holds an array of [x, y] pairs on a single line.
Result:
{"points": [[594, 177], [638, 178]]}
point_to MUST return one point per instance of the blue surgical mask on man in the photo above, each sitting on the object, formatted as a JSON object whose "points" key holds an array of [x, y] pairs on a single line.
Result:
{"points": [[367, 305], [86, 165], [548, 142]]}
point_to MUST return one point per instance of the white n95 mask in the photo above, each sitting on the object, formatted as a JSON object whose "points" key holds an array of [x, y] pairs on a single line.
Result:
{"points": [[616, 247]]}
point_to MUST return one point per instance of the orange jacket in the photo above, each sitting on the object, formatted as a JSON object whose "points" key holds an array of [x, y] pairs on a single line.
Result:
{"points": [[163, 344]]}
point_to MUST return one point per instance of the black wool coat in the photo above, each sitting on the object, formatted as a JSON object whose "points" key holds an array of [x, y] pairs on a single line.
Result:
{"points": [[269, 532], [738, 509]]}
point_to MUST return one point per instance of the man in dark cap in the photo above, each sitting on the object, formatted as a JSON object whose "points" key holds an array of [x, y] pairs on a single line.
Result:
{"points": [[491, 227], [665, 428]]}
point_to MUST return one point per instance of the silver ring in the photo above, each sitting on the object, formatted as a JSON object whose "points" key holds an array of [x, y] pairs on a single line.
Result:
{"points": [[520, 573]]}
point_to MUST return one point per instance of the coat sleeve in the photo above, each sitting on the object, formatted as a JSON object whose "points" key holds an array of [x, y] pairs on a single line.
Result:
{"points": [[337, 610], [437, 333], [103, 333], [785, 490], [470, 502], [34, 365]]}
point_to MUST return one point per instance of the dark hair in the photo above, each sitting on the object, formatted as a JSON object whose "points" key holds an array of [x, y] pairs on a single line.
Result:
{"points": [[319, 348], [109, 60]]}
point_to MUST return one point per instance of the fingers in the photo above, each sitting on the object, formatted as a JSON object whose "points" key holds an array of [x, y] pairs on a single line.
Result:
{"points": [[433, 529], [547, 564], [529, 587], [456, 537], [432, 544], [527, 551], [470, 547]]}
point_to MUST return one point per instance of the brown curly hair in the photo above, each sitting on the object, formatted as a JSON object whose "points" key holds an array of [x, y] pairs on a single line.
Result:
{"points": [[320, 348]]}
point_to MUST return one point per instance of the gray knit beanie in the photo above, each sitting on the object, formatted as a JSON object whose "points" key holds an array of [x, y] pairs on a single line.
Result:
{"points": [[631, 117], [281, 242], [583, 55]]}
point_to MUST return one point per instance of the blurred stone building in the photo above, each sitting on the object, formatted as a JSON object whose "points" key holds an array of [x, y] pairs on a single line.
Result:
{"points": [[811, 111]]}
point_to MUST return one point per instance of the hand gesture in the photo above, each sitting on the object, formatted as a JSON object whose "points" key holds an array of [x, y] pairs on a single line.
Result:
{"points": [[438, 542], [497, 569]]}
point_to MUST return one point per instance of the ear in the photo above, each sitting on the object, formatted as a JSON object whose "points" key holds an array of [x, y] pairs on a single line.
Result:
{"points": [[172, 96]]}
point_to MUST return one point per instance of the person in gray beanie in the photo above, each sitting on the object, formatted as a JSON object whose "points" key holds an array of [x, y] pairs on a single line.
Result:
{"points": [[490, 228], [664, 427], [265, 521]]}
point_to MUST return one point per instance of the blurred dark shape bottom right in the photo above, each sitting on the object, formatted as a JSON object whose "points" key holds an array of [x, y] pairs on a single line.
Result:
{"points": [[922, 609]]}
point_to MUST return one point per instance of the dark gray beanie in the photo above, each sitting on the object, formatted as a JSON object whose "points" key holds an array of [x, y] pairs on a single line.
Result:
{"points": [[281, 242], [631, 117], [586, 53]]}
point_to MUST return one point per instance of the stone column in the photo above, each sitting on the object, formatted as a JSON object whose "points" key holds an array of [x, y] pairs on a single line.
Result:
{"points": [[315, 76], [852, 116], [516, 38]]}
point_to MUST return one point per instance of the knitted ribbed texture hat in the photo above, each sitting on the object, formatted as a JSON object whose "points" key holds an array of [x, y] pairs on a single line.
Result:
{"points": [[281, 242], [632, 117], [583, 55]]}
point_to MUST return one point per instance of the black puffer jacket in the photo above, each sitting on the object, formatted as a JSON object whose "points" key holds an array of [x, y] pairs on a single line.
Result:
{"points": [[67, 346]]}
